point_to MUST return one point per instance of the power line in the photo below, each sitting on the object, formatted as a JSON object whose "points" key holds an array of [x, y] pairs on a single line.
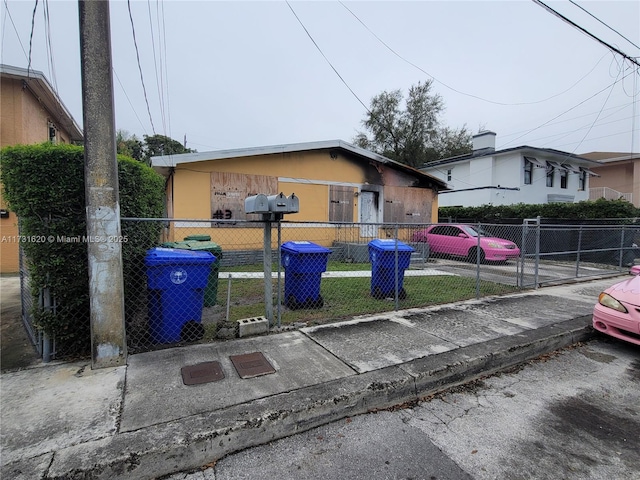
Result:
{"points": [[49, 46], [129, 100], [610, 28], [326, 59], [6, 7], [33, 23], [586, 32], [135, 43], [566, 111], [459, 91]]}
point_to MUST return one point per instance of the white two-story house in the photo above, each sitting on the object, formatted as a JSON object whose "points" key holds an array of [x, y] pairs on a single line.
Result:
{"points": [[513, 175]]}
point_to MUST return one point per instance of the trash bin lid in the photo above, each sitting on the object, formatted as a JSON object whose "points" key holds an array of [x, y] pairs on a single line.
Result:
{"points": [[170, 256], [389, 245], [302, 246], [199, 238], [196, 245]]}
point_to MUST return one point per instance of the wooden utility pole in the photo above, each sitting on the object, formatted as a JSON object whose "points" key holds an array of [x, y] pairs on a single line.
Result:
{"points": [[108, 340]]}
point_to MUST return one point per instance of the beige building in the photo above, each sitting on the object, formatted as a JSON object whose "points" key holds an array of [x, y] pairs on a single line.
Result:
{"points": [[334, 181], [31, 112], [619, 176]]}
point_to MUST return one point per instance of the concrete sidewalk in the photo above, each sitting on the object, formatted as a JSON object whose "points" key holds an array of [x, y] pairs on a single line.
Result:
{"points": [[141, 421]]}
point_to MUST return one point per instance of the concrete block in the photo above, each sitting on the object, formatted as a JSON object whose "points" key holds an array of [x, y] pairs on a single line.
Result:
{"points": [[252, 326]]}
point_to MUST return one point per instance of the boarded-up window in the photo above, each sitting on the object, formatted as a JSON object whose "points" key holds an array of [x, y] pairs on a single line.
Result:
{"points": [[340, 203], [228, 191], [407, 205]]}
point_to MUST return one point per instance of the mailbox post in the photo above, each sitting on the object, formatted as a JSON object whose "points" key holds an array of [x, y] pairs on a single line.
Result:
{"points": [[272, 208]]}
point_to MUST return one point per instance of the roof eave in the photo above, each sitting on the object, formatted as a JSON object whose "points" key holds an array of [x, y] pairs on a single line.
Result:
{"points": [[164, 164], [43, 91]]}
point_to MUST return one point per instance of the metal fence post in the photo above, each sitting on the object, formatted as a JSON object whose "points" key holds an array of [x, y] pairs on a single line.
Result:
{"points": [[621, 248], [578, 252], [279, 295], [535, 286], [478, 255], [523, 252], [266, 262], [397, 293]]}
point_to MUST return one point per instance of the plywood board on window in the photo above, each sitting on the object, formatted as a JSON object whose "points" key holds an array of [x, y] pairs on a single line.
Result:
{"points": [[341, 200], [407, 204], [228, 191]]}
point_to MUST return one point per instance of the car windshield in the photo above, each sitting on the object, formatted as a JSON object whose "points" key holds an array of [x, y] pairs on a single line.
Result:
{"points": [[470, 231]]}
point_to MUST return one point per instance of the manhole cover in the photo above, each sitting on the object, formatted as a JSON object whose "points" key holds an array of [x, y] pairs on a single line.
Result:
{"points": [[202, 373], [251, 365]]}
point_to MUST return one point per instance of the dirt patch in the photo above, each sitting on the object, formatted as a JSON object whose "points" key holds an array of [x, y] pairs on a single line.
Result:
{"points": [[16, 349]]}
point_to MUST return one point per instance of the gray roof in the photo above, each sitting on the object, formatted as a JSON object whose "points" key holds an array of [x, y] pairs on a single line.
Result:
{"points": [[558, 155], [38, 84], [163, 164]]}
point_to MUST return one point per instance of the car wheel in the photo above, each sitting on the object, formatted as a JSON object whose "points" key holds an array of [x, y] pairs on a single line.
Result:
{"points": [[473, 255]]}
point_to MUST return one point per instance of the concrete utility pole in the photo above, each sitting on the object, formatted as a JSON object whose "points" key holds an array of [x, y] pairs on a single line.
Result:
{"points": [[108, 340]]}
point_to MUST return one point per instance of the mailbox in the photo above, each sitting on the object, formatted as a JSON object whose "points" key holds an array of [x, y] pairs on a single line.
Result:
{"points": [[294, 204], [283, 204], [256, 204], [272, 204], [278, 203]]}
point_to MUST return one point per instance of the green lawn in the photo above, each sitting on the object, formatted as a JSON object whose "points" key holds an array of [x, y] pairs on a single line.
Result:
{"points": [[345, 298]]}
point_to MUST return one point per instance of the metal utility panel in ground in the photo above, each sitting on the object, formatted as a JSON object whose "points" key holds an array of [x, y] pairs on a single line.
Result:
{"points": [[156, 393]]}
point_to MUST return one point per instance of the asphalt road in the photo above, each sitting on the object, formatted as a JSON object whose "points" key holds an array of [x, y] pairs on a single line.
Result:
{"points": [[572, 414]]}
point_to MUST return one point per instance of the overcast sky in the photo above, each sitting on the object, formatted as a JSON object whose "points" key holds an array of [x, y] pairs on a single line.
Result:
{"points": [[243, 74]]}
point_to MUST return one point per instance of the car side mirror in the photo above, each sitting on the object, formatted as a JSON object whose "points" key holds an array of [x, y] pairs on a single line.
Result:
{"points": [[635, 270], [463, 235]]}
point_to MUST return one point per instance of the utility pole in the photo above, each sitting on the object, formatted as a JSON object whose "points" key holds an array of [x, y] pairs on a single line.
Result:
{"points": [[108, 340]]}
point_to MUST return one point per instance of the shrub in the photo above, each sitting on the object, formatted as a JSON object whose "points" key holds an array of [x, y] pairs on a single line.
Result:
{"points": [[44, 186], [598, 209]]}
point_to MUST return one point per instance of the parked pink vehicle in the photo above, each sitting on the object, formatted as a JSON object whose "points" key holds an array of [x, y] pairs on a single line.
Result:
{"points": [[463, 241], [617, 312]]}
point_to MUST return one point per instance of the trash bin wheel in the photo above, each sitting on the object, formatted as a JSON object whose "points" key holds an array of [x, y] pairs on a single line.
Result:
{"points": [[402, 294], [192, 331], [291, 303], [377, 293], [319, 303]]}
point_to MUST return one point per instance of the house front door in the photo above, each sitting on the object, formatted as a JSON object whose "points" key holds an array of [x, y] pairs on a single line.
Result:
{"points": [[368, 214]]}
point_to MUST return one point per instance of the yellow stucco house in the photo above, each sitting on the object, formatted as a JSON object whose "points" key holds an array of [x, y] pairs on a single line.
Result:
{"points": [[334, 181], [31, 112]]}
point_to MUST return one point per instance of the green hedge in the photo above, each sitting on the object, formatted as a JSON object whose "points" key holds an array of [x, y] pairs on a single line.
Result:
{"points": [[44, 186], [598, 209]]}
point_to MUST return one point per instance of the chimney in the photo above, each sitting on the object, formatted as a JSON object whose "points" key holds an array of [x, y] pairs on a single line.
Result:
{"points": [[484, 141]]}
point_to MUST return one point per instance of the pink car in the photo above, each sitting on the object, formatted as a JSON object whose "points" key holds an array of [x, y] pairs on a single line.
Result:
{"points": [[617, 312], [462, 241]]}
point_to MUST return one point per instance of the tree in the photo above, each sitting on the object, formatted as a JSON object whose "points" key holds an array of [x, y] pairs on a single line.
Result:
{"points": [[157, 145], [412, 135], [151, 146], [129, 145]]}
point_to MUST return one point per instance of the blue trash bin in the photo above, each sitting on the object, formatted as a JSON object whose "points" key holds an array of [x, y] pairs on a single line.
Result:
{"points": [[176, 281], [382, 254], [303, 263]]}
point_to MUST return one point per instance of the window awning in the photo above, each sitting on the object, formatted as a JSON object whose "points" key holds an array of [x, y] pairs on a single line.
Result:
{"points": [[572, 168], [536, 162], [558, 166], [589, 172]]}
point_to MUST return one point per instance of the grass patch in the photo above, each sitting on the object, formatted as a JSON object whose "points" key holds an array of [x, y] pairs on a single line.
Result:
{"points": [[331, 267], [348, 297]]}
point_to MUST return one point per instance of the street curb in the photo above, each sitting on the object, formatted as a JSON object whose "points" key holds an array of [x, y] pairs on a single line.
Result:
{"points": [[198, 440]]}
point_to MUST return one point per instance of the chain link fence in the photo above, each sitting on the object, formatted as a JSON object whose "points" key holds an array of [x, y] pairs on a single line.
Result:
{"points": [[202, 280], [322, 272]]}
